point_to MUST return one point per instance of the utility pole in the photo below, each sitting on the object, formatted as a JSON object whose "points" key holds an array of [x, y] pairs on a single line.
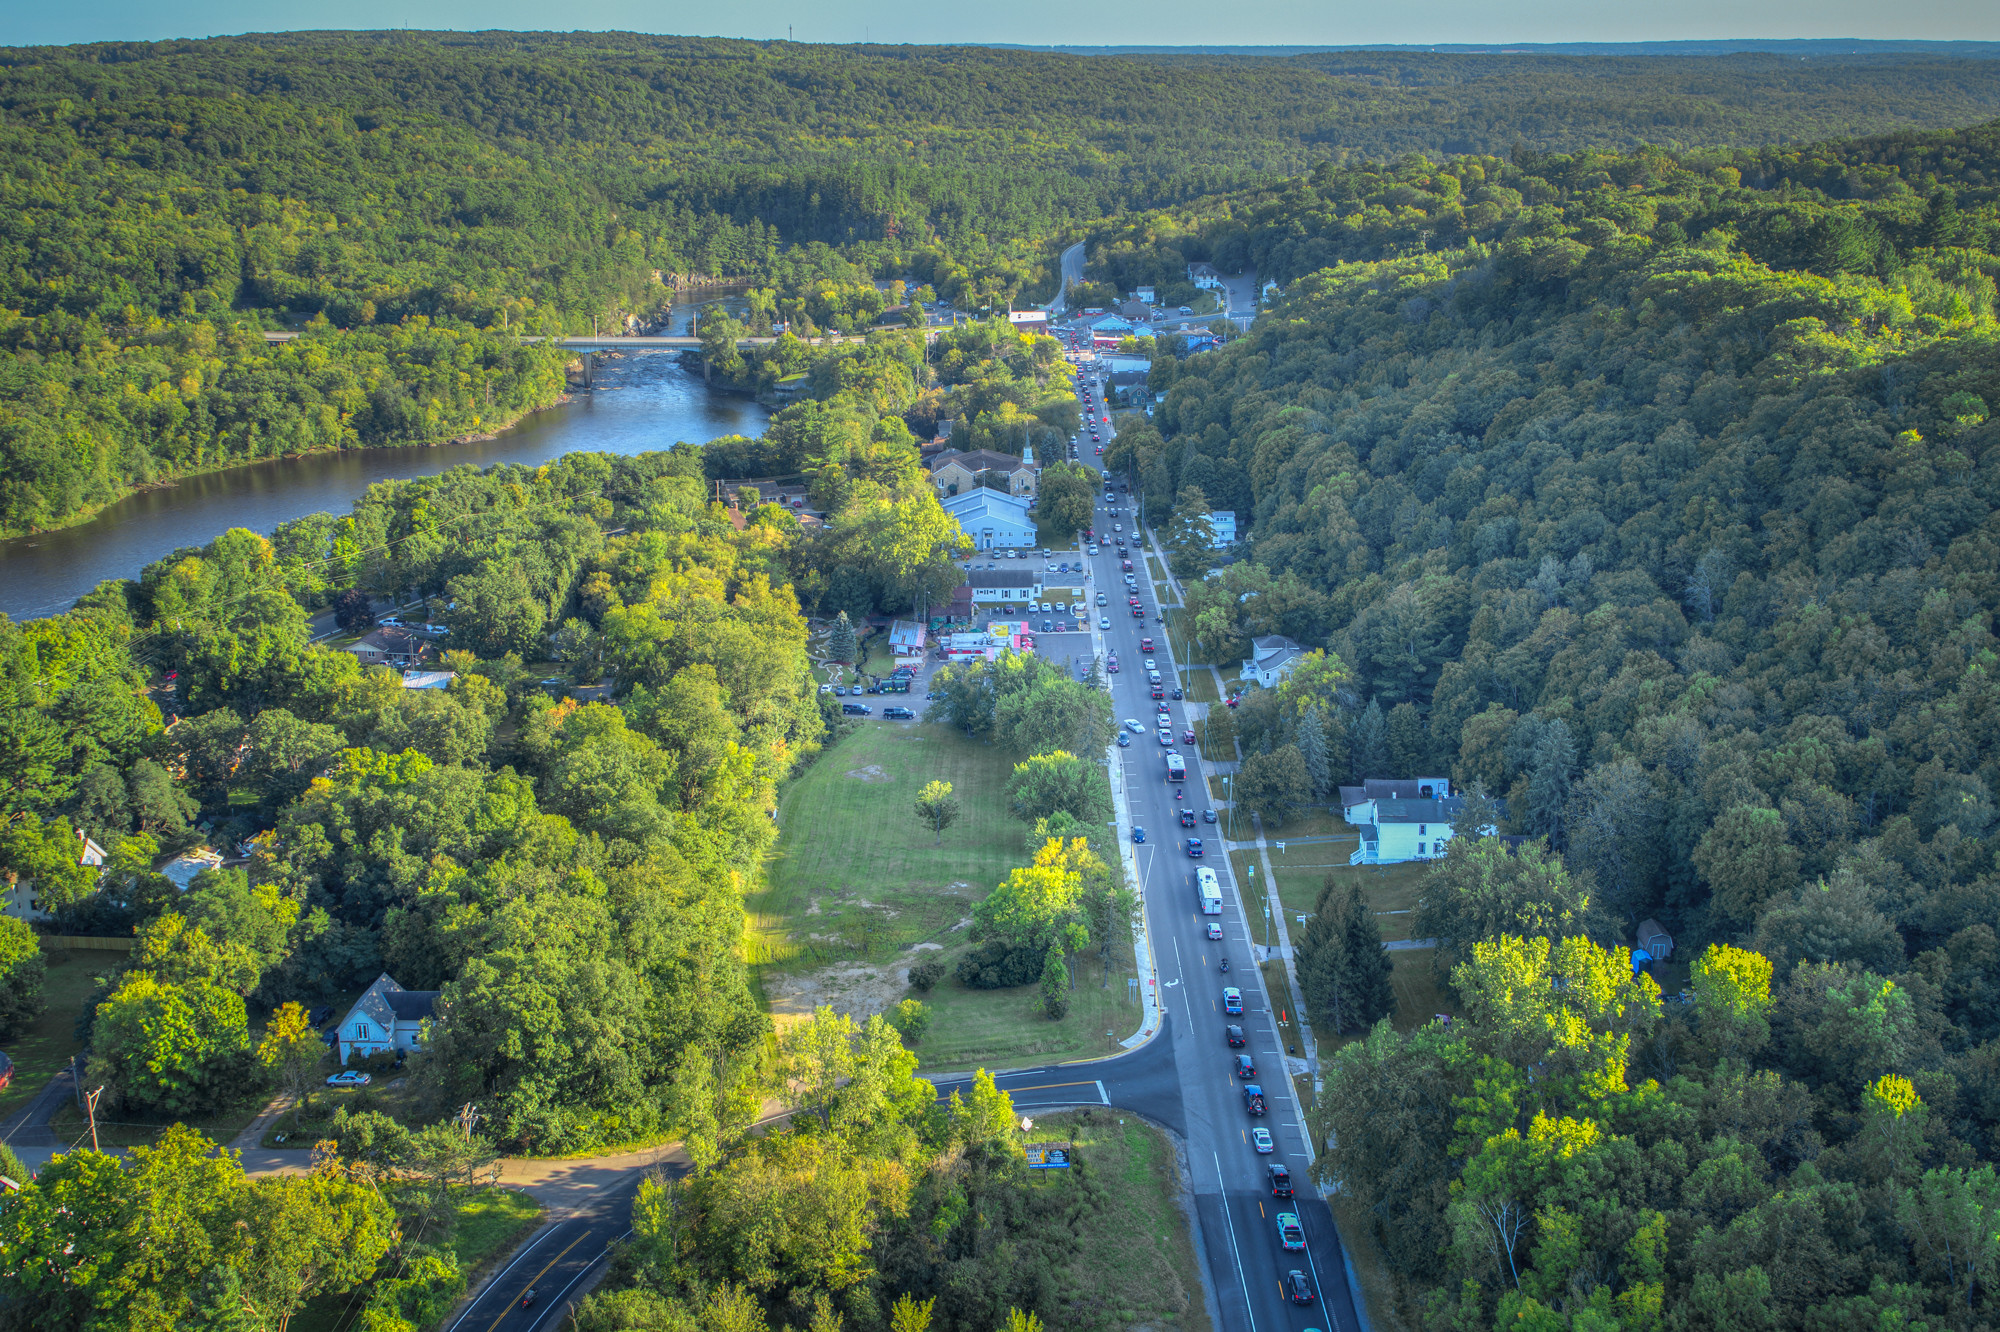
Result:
{"points": [[468, 1115], [90, 1108]]}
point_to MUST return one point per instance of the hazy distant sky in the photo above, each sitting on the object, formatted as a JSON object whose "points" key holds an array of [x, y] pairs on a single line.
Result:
{"points": [[1054, 22]]}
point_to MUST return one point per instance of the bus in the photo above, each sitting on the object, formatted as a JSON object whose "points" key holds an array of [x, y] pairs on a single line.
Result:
{"points": [[1176, 768], [1209, 889]]}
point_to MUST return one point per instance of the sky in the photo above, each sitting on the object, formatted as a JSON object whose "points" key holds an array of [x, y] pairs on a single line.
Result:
{"points": [[1035, 22]]}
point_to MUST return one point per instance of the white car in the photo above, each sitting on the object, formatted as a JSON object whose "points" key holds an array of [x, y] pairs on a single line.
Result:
{"points": [[1093, 550], [1103, 623], [350, 1078], [1260, 1138], [1132, 725], [1147, 665]]}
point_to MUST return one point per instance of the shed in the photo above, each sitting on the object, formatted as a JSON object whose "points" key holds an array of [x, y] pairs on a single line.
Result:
{"points": [[1653, 937]]}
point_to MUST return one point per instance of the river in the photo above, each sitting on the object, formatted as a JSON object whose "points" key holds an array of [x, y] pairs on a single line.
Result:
{"points": [[641, 402]]}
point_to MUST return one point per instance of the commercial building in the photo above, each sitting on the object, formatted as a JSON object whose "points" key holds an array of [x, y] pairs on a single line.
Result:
{"points": [[992, 519]]}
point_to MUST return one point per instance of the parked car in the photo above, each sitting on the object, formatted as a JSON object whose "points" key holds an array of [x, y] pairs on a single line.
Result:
{"points": [[1138, 834], [1187, 737], [1176, 695], [1103, 622], [856, 710], [1124, 740], [898, 714], [348, 1078], [1208, 816]]}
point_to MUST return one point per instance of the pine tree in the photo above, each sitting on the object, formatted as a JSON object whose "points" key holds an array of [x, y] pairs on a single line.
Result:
{"points": [[1312, 748], [1343, 969], [1055, 986], [842, 647], [1369, 754], [1408, 740]]}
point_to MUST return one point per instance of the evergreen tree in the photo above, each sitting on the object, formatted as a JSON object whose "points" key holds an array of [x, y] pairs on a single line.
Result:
{"points": [[1408, 741], [842, 647], [1055, 985], [1369, 753], [1549, 775], [1313, 749], [1343, 969]]}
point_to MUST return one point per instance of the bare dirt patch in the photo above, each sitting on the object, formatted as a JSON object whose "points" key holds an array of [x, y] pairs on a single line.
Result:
{"points": [[855, 988], [921, 947], [872, 773]]}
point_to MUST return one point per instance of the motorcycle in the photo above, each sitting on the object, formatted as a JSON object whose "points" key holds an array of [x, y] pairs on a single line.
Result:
{"points": [[1177, 793], [1225, 964]]}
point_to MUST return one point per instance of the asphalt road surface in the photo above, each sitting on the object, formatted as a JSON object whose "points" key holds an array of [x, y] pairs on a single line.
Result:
{"points": [[554, 1264], [1185, 1078]]}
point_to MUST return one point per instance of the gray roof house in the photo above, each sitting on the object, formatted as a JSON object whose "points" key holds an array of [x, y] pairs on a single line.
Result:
{"points": [[385, 1017], [1271, 659]]}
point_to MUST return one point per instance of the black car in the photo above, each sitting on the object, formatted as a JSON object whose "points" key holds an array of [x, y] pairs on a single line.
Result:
{"points": [[1235, 1034], [1244, 1068], [856, 710], [320, 1017], [1281, 1181], [1187, 818], [898, 714], [1208, 816], [1176, 696], [1124, 739], [1298, 1287]]}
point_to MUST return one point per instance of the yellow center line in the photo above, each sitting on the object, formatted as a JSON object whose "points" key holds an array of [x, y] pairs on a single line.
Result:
{"points": [[539, 1275]]}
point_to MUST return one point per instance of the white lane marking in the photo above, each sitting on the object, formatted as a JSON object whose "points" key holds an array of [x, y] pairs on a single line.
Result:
{"points": [[1101, 1093], [494, 1283], [1230, 1230]]}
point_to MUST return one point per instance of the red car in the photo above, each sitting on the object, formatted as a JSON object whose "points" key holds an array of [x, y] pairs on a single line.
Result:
{"points": [[1187, 737]]}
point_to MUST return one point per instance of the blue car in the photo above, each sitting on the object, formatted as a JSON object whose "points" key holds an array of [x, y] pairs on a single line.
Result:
{"points": [[1138, 834]]}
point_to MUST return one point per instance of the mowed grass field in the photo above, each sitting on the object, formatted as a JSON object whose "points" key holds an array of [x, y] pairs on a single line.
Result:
{"points": [[855, 876], [857, 890]]}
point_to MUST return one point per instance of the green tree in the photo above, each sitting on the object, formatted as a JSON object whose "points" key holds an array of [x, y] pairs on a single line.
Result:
{"points": [[1273, 785], [937, 808], [1482, 889], [912, 1019], [1343, 970], [1732, 996], [1055, 985], [169, 1047], [1746, 862], [22, 973], [1059, 783], [292, 1051], [840, 645], [1041, 905], [1065, 499]]}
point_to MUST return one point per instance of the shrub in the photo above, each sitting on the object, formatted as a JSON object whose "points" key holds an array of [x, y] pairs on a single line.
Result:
{"points": [[926, 974], [999, 965], [913, 1018]]}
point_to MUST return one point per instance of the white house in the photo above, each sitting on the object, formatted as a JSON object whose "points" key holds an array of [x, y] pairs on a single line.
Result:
{"points": [[1271, 659], [1354, 799], [1223, 521], [414, 679], [906, 640], [1205, 276], [1394, 831], [1008, 587], [17, 895], [991, 519], [385, 1017], [1145, 294]]}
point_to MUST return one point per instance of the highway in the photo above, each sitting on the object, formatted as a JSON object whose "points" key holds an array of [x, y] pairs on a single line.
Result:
{"points": [[1184, 1078]]}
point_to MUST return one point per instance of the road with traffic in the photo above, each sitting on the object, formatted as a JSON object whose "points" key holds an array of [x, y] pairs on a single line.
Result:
{"points": [[1186, 1076]]}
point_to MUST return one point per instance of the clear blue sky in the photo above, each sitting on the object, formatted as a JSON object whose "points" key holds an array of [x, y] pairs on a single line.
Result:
{"points": [[1054, 22]]}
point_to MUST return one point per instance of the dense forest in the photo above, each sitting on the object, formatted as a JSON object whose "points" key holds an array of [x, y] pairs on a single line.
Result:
{"points": [[1656, 495], [161, 203]]}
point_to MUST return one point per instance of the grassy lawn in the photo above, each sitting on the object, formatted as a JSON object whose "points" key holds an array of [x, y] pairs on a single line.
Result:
{"points": [[996, 1028], [1199, 682], [856, 884], [40, 1052], [1135, 1263], [854, 875]]}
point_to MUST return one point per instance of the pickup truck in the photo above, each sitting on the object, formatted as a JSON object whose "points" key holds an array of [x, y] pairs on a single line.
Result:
{"points": [[1253, 1098]]}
